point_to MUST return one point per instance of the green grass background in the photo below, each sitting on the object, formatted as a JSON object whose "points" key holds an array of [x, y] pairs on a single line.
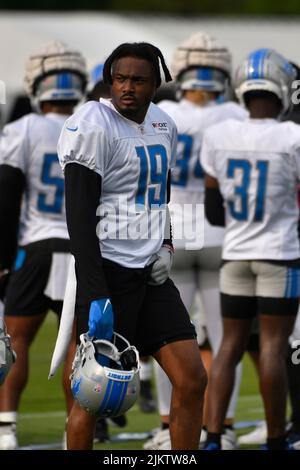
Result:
{"points": [[42, 416]]}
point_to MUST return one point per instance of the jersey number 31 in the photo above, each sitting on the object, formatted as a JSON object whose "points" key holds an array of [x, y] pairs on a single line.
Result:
{"points": [[239, 207]]}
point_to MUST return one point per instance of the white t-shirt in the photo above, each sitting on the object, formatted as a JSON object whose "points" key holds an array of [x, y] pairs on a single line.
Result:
{"points": [[188, 176], [30, 145], [133, 161], [257, 164]]}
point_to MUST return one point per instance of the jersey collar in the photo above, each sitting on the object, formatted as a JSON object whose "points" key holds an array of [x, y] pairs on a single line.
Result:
{"points": [[109, 104], [263, 120], [143, 127]]}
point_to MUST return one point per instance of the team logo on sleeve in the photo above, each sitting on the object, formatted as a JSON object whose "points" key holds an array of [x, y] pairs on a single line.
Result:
{"points": [[72, 129], [160, 126]]}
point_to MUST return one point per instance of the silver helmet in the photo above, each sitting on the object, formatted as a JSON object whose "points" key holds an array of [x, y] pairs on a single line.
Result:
{"points": [[202, 62], [7, 355], [105, 381], [55, 72], [265, 70]]}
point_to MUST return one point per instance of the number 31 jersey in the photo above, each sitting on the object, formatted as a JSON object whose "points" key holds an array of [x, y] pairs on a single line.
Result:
{"points": [[257, 165], [30, 144], [133, 161]]}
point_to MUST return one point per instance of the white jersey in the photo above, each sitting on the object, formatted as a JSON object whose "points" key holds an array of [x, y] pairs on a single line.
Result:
{"points": [[30, 145], [257, 165], [188, 176], [133, 161]]}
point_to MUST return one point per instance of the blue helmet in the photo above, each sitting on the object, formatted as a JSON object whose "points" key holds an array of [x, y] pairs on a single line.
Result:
{"points": [[96, 76]]}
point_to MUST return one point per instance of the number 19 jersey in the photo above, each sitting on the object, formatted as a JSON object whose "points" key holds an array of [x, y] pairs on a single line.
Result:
{"points": [[133, 161], [257, 165], [30, 144]]}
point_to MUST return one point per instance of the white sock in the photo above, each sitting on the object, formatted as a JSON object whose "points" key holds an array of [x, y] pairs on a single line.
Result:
{"points": [[8, 416], [146, 370], [164, 390]]}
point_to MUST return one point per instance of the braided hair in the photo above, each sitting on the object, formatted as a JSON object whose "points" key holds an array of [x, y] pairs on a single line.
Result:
{"points": [[141, 50]]}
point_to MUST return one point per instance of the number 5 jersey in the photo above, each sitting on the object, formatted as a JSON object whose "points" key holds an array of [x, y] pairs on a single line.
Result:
{"points": [[30, 144]]}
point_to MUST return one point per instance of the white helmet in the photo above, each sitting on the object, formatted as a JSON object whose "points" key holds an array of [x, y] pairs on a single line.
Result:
{"points": [[7, 355], [56, 72], [265, 70], [201, 62], [101, 390]]}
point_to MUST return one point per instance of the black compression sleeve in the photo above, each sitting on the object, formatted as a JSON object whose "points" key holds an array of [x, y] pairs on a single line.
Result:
{"points": [[12, 184], [214, 207], [169, 239], [169, 187], [83, 190]]}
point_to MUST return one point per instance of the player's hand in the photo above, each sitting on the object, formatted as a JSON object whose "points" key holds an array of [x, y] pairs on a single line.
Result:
{"points": [[162, 266], [101, 319]]}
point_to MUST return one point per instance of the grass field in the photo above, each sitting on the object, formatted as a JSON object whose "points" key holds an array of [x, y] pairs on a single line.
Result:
{"points": [[42, 416]]}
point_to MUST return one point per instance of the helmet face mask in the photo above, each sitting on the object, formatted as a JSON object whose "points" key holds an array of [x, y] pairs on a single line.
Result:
{"points": [[7, 355], [55, 73], [266, 70], [105, 381]]}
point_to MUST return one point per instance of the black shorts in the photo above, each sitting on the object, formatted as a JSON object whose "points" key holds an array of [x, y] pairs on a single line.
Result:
{"points": [[28, 280], [244, 307], [147, 316], [268, 287]]}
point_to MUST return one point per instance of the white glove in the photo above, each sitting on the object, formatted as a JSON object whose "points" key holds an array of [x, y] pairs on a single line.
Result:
{"points": [[162, 266]]}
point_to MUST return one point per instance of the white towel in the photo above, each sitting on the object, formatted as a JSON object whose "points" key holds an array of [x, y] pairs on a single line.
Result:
{"points": [[56, 285], [66, 322]]}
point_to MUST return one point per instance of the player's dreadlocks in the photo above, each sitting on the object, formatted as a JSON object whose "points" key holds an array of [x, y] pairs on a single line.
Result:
{"points": [[141, 50]]}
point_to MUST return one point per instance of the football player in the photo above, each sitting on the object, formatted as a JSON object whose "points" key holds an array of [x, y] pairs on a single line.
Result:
{"points": [[253, 168], [97, 89], [55, 79], [119, 153]]}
